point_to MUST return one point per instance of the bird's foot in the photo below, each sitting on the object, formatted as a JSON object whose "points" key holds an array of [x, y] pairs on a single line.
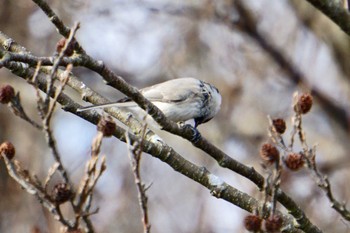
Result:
{"points": [[195, 133]]}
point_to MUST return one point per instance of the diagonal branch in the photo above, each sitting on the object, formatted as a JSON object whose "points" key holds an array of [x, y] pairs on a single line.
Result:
{"points": [[248, 25], [335, 12]]}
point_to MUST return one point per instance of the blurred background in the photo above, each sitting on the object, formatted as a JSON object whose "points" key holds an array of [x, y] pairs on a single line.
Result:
{"points": [[150, 41]]}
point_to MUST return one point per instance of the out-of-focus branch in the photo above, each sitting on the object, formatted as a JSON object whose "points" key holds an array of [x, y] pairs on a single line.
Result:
{"points": [[333, 10], [339, 43], [248, 25]]}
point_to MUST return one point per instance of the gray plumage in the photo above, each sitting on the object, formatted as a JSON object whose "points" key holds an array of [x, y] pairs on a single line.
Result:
{"points": [[179, 99]]}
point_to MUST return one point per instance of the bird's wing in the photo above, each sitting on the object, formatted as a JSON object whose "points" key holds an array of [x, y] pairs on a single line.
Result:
{"points": [[175, 91], [172, 91]]}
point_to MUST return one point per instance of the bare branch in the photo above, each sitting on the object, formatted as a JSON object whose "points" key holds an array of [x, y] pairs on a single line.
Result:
{"points": [[18, 110], [50, 174], [248, 24], [333, 10], [92, 174], [23, 178], [135, 154]]}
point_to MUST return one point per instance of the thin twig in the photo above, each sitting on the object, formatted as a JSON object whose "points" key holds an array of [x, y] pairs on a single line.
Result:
{"points": [[55, 67], [88, 183], [18, 110], [59, 90], [135, 154], [324, 183], [310, 156], [23, 178], [50, 174]]}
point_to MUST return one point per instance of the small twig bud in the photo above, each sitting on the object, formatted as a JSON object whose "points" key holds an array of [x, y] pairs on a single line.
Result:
{"points": [[74, 231], [60, 46], [107, 126], [61, 193], [304, 104], [294, 161], [252, 223], [280, 125], [7, 149], [6, 94], [273, 224], [269, 153]]}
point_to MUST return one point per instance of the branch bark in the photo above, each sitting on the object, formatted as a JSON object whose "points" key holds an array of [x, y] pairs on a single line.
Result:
{"points": [[338, 14]]}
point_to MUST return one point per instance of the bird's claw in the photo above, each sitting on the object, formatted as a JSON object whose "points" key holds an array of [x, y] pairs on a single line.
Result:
{"points": [[195, 133]]}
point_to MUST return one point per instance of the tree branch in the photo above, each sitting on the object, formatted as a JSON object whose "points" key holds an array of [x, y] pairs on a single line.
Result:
{"points": [[335, 12]]}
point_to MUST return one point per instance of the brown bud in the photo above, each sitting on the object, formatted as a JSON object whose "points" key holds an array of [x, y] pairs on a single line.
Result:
{"points": [[107, 126], [294, 161], [280, 125], [74, 231], [252, 223], [60, 44], [61, 193], [304, 104], [269, 153], [6, 94], [35, 229], [273, 224], [7, 149], [69, 50]]}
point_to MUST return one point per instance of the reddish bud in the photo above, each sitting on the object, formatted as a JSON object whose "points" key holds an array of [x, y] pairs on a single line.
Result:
{"points": [[280, 125], [61, 193], [7, 149], [252, 223], [273, 224], [107, 126], [269, 153], [304, 104], [6, 94], [294, 161], [60, 46]]}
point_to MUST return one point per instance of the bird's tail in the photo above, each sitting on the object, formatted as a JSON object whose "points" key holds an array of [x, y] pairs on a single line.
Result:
{"points": [[108, 105]]}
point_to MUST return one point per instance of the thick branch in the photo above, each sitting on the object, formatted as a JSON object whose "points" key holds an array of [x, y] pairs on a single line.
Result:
{"points": [[333, 10]]}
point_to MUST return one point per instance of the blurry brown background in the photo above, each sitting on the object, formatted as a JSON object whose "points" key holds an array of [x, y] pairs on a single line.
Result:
{"points": [[151, 41]]}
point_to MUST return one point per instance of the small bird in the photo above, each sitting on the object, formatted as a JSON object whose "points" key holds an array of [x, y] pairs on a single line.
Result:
{"points": [[179, 99]]}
